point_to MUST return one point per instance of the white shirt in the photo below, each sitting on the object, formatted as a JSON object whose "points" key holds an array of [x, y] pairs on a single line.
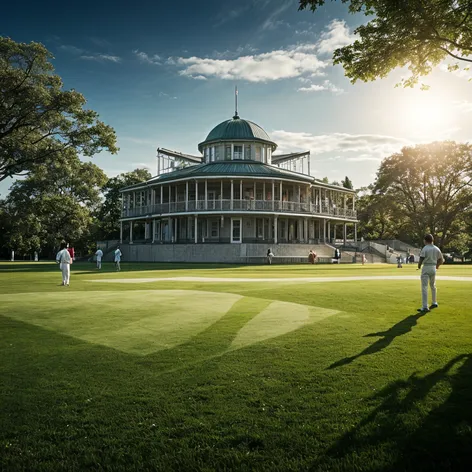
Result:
{"points": [[431, 254], [63, 257], [99, 255], [118, 255]]}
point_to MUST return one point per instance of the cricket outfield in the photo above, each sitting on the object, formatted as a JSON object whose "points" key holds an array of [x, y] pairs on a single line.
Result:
{"points": [[212, 367]]}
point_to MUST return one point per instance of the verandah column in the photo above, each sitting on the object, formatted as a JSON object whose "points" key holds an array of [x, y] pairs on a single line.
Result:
{"points": [[355, 232], [273, 195], [186, 196], [121, 232], [275, 230], [232, 195], [345, 233], [131, 232], [196, 225], [154, 230], [206, 194]]}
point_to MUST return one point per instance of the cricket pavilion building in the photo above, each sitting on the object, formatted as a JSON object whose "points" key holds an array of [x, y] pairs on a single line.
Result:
{"points": [[233, 202]]}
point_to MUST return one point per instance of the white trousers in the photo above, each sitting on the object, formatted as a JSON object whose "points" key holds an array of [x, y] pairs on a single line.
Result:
{"points": [[99, 263], [65, 269], [428, 276]]}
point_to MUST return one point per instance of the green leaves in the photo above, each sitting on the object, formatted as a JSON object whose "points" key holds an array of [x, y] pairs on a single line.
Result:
{"points": [[110, 211], [38, 119], [417, 34], [430, 185]]}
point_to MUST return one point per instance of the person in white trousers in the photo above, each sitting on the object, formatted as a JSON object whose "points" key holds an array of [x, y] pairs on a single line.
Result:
{"points": [[118, 258], [64, 260], [430, 259], [99, 255]]}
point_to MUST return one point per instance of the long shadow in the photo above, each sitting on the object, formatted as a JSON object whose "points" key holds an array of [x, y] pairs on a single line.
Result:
{"points": [[402, 327], [213, 341], [440, 441]]}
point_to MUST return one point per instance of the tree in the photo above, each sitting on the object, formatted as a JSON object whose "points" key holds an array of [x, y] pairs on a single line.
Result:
{"points": [[379, 217], [415, 33], [55, 202], [431, 185], [38, 119], [347, 183], [110, 211]]}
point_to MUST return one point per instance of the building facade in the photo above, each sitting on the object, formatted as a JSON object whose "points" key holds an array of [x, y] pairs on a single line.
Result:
{"points": [[238, 192]]}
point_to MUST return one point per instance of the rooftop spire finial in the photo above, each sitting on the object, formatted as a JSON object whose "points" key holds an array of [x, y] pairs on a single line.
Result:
{"points": [[236, 103]]}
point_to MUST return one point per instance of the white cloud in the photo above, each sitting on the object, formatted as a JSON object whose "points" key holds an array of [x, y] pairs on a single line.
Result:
{"points": [[274, 65], [146, 59], [101, 58], [369, 145], [336, 35], [463, 106], [271, 22], [325, 86], [166, 95], [71, 49]]}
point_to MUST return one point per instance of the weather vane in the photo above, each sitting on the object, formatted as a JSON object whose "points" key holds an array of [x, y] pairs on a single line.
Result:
{"points": [[236, 101]]}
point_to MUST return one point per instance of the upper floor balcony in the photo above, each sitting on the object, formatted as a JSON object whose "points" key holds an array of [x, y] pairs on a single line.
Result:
{"points": [[323, 210]]}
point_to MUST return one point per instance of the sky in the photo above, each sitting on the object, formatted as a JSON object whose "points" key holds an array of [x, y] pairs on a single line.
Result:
{"points": [[163, 75]]}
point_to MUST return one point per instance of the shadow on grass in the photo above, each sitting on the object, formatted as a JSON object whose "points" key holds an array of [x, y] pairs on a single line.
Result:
{"points": [[402, 327], [419, 433]]}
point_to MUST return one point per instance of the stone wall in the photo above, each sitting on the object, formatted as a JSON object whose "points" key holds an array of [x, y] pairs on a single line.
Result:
{"points": [[224, 253]]}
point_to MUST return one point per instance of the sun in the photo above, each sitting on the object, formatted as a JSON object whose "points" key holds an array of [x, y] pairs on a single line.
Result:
{"points": [[427, 118]]}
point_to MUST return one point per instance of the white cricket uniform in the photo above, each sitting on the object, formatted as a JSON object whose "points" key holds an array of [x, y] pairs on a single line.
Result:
{"points": [[118, 259], [64, 259], [432, 254], [99, 255]]}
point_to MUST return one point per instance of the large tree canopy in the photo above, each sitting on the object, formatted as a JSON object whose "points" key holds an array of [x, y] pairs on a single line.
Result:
{"points": [[414, 33], [54, 203], [430, 186], [110, 212], [38, 119]]}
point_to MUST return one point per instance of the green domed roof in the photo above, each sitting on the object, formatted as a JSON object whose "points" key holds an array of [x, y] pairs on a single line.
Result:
{"points": [[237, 129]]}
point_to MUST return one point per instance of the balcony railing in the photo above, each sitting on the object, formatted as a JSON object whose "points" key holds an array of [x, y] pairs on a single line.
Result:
{"points": [[275, 206]]}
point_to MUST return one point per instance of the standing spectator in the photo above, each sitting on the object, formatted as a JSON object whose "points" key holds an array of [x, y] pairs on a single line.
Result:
{"points": [[71, 252], [64, 260], [430, 259], [99, 255], [270, 255], [337, 255], [364, 259], [118, 258]]}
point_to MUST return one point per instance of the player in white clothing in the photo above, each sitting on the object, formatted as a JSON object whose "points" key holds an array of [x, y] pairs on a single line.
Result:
{"points": [[118, 258], [430, 259], [64, 260], [99, 255]]}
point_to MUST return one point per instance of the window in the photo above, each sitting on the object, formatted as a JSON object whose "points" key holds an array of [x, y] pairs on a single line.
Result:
{"points": [[217, 153], [212, 153], [235, 230], [238, 152], [259, 228], [258, 153], [214, 229], [207, 153], [247, 151], [227, 152]]}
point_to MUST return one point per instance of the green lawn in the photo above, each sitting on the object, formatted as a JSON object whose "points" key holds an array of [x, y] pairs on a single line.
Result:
{"points": [[199, 376]]}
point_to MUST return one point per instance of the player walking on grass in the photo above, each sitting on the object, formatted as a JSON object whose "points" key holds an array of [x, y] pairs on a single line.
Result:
{"points": [[118, 258], [64, 260], [430, 259], [99, 255]]}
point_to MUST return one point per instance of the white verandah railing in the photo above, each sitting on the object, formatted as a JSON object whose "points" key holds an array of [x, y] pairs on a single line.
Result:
{"points": [[239, 205]]}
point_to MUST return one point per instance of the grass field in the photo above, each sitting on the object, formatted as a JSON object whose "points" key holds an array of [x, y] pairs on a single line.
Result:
{"points": [[233, 375]]}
